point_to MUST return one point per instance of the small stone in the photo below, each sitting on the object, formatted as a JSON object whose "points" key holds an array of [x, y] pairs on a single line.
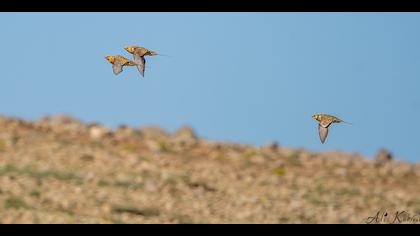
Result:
{"points": [[185, 136], [98, 132], [383, 156], [274, 146]]}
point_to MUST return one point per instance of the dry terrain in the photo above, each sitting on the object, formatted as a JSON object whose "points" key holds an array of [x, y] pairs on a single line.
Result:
{"points": [[60, 170]]}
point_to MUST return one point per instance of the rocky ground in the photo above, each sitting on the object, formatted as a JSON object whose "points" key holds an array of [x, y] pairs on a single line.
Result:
{"points": [[59, 170]]}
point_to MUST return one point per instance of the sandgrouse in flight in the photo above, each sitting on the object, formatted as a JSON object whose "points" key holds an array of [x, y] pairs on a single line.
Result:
{"points": [[139, 53], [118, 62], [324, 122]]}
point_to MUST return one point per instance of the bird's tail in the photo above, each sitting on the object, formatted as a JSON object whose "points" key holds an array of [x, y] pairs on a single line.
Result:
{"points": [[160, 54], [163, 55], [346, 122]]}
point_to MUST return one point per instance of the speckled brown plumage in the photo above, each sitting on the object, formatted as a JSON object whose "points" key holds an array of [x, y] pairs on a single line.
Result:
{"points": [[139, 53], [324, 122], [118, 62]]}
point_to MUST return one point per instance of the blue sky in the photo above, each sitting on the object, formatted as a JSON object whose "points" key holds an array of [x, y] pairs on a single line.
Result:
{"points": [[241, 77]]}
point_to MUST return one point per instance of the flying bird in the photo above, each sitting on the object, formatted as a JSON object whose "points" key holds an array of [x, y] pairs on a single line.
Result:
{"points": [[324, 122], [118, 62], [139, 53]]}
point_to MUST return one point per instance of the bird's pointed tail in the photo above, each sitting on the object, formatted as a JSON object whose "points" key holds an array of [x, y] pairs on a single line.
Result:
{"points": [[160, 54], [346, 122]]}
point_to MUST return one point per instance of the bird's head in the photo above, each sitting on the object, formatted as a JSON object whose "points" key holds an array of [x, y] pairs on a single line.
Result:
{"points": [[130, 49], [111, 59], [316, 117]]}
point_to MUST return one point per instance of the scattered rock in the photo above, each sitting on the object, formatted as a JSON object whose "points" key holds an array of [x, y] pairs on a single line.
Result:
{"points": [[154, 132], [185, 136], [97, 131], [61, 123], [383, 156], [124, 133]]}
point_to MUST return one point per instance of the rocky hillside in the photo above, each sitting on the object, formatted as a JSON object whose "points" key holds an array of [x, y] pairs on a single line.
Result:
{"points": [[59, 170]]}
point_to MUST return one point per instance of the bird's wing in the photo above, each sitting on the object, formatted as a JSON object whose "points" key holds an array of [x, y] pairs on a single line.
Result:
{"points": [[323, 132], [325, 123], [117, 68], [141, 63], [140, 51]]}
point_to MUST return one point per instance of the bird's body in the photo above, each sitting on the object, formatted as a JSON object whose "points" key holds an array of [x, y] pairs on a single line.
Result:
{"points": [[118, 62], [139, 53], [324, 122]]}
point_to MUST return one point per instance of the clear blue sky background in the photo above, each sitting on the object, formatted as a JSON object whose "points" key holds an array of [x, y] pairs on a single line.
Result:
{"points": [[242, 77]]}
